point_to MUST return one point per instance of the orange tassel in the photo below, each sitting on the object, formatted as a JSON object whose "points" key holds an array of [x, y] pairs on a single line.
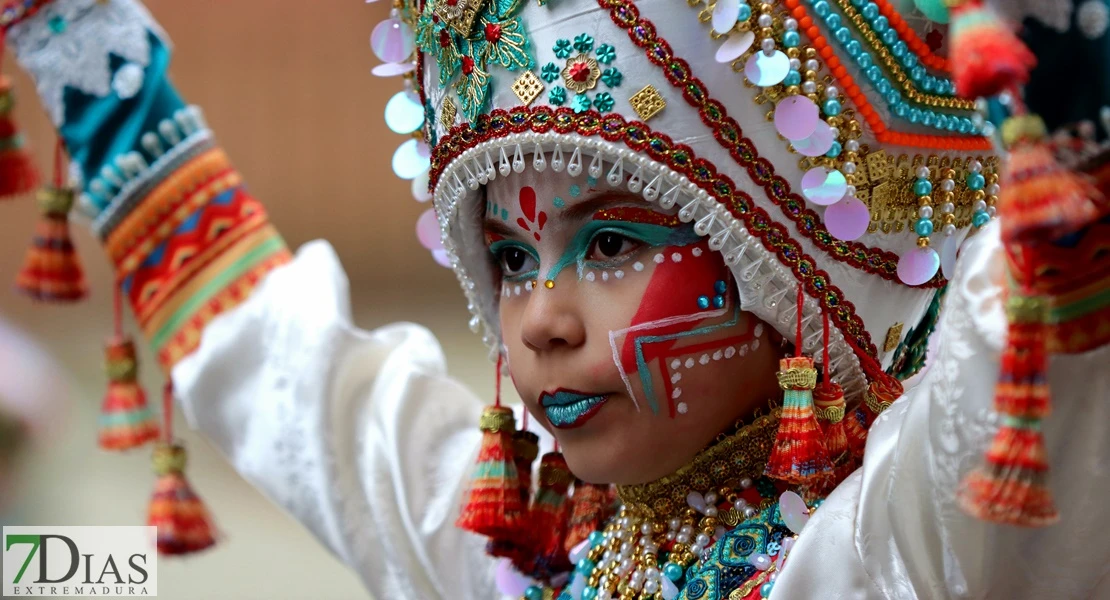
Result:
{"points": [[51, 269], [987, 57], [550, 511], [799, 454], [828, 399], [18, 174], [182, 520], [126, 421], [1012, 486], [494, 505], [1040, 199], [590, 509]]}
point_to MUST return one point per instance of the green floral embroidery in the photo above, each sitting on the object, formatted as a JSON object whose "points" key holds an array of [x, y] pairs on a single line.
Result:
{"points": [[604, 102], [583, 43], [612, 77], [504, 43], [606, 54], [557, 96], [581, 103], [562, 48], [549, 72]]}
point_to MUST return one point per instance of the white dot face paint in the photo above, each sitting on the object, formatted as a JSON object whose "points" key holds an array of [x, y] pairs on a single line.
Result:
{"points": [[638, 266], [704, 359], [676, 363], [717, 355], [682, 408], [689, 363], [590, 276], [677, 257], [516, 290], [619, 274], [696, 252], [759, 330], [659, 259], [730, 352]]}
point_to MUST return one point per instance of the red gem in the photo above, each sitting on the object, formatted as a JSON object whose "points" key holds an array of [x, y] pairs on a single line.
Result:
{"points": [[467, 65], [444, 38], [452, 2], [493, 33], [580, 71]]}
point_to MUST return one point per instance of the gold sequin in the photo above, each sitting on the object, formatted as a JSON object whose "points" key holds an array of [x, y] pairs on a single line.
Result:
{"points": [[647, 102], [893, 335], [581, 73], [527, 87]]}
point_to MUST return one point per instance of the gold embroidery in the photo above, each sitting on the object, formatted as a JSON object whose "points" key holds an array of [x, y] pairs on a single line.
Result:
{"points": [[647, 102], [459, 14]]}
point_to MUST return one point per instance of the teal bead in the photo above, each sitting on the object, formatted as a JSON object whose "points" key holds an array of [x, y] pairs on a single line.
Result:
{"points": [[883, 87], [929, 118], [922, 187], [874, 74], [718, 302], [893, 98], [533, 593], [672, 572], [980, 218], [843, 35], [745, 14], [910, 60], [720, 287], [870, 11], [889, 37], [703, 302], [853, 48], [793, 78], [586, 566], [923, 227], [791, 39], [821, 8], [765, 589], [565, 596], [915, 115], [834, 151], [864, 60], [833, 21], [976, 181], [901, 110], [881, 24], [596, 538], [942, 121], [832, 107], [589, 593]]}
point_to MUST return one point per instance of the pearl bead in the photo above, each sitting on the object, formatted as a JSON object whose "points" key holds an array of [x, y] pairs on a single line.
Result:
{"points": [[711, 511], [949, 229], [651, 587], [682, 538], [749, 512], [645, 528], [702, 540], [923, 172], [696, 549], [745, 483], [768, 46], [637, 577], [852, 146], [850, 191], [979, 206], [812, 65], [651, 573], [765, 20], [925, 212], [670, 536], [947, 207], [992, 211], [809, 87], [993, 189], [976, 166], [740, 504], [849, 168], [832, 92], [626, 565], [686, 529], [711, 498], [791, 24], [947, 185], [674, 524]]}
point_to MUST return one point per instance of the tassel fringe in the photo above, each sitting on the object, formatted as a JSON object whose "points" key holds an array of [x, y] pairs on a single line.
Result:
{"points": [[591, 507], [550, 511], [126, 420], [18, 174], [183, 523], [51, 269], [987, 57], [799, 454], [494, 507]]}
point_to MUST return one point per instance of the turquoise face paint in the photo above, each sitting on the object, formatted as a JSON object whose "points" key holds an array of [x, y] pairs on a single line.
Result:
{"points": [[654, 236], [500, 246]]}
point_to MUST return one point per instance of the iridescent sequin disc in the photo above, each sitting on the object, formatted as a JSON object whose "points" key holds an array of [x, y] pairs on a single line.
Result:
{"points": [[393, 69], [949, 250], [407, 162], [824, 186], [918, 266], [420, 187], [427, 230], [403, 113], [392, 41], [818, 143], [735, 46], [847, 220], [725, 13], [796, 117], [764, 71]]}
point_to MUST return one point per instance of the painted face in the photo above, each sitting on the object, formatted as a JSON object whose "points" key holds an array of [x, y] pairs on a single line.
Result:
{"points": [[623, 330]]}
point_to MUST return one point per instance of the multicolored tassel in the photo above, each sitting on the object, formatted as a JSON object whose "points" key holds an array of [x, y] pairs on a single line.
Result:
{"points": [[494, 507], [550, 511], [856, 423], [1040, 199], [182, 520], [516, 544], [126, 421], [987, 57], [1012, 486], [591, 507], [828, 400], [526, 447], [18, 174], [51, 269]]}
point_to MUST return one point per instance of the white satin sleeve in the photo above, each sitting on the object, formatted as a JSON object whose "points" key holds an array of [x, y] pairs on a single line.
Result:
{"points": [[359, 434], [894, 530]]}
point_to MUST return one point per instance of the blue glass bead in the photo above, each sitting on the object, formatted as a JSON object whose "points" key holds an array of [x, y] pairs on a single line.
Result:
{"points": [[720, 287], [672, 572], [901, 110], [765, 589], [923, 227], [969, 125], [832, 107], [917, 73], [853, 48], [833, 21], [793, 78], [864, 60], [883, 86], [915, 115], [953, 124], [791, 39], [942, 121], [843, 35], [858, 3], [922, 187], [718, 301], [980, 218], [930, 84], [835, 150], [928, 118], [881, 24], [596, 538], [703, 302], [589, 593], [889, 37], [874, 73], [893, 98], [976, 181], [821, 8], [899, 48], [870, 11], [533, 593], [745, 13], [965, 127], [586, 566]]}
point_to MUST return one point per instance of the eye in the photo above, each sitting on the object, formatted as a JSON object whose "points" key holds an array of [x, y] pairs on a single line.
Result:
{"points": [[515, 260], [608, 245]]}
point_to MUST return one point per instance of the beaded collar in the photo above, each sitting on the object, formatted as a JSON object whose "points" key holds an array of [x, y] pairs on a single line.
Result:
{"points": [[733, 457]]}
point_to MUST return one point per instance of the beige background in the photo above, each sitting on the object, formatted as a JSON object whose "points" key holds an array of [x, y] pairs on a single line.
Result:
{"points": [[286, 86]]}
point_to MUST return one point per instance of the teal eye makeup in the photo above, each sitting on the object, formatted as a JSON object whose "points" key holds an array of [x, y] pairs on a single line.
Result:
{"points": [[518, 262]]}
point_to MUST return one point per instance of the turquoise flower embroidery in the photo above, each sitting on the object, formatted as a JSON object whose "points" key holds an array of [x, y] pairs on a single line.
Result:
{"points": [[604, 102], [606, 54], [612, 77], [557, 96], [549, 72], [562, 48], [581, 103], [583, 43]]}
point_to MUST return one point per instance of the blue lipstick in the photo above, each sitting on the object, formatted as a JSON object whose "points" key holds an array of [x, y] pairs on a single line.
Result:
{"points": [[567, 409]]}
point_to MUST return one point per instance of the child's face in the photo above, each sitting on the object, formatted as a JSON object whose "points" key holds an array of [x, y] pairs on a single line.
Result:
{"points": [[624, 333]]}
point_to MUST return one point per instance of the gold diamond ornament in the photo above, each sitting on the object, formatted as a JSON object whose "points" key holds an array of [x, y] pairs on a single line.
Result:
{"points": [[459, 14], [647, 102], [527, 87], [447, 113]]}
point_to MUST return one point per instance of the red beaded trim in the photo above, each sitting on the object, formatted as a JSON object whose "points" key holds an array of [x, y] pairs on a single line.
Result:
{"points": [[659, 147], [729, 134]]}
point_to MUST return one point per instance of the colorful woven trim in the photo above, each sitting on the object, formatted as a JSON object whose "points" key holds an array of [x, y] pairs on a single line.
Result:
{"points": [[14, 12], [660, 148], [730, 136], [195, 247]]}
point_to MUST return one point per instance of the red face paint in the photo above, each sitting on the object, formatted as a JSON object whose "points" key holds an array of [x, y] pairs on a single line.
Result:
{"points": [[527, 201]]}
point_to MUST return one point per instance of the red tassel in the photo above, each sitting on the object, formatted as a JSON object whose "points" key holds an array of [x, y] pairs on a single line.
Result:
{"points": [[828, 398], [526, 447], [856, 423], [126, 421], [182, 520], [494, 506], [1040, 199], [799, 454], [1012, 486], [18, 174], [550, 511], [51, 269], [590, 509], [987, 57], [517, 544]]}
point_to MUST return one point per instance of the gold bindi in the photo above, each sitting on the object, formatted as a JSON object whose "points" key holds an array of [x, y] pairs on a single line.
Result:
{"points": [[549, 284]]}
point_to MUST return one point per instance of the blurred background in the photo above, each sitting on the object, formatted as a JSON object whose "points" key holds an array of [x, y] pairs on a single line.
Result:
{"points": [[286, 86]]}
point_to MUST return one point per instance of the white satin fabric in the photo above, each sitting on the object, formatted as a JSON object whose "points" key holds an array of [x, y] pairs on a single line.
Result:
{"points": [[363, 437]]}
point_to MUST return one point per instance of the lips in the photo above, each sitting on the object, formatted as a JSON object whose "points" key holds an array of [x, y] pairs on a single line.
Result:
{"points": [[567, 409]]}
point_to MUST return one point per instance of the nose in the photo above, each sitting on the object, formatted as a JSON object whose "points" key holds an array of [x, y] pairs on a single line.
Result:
{"points": [[552, 320]]}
